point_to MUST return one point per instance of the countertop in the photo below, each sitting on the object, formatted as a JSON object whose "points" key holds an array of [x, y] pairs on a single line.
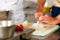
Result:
{"points": [[17, 35]]}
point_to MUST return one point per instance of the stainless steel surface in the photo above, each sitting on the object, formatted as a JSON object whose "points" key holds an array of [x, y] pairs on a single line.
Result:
{"points": [[6, 32], [3, 15]]}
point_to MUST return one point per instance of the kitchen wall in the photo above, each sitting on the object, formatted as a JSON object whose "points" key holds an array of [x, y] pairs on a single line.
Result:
{"points": [[48, 2], [33, 0]]}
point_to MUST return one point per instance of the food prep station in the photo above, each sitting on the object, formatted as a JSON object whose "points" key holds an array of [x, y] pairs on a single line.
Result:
{"points": [[28, 33]]}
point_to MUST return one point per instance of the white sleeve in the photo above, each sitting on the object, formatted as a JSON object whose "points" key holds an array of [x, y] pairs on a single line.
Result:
{"points": [[6, 5], [18, 14]]}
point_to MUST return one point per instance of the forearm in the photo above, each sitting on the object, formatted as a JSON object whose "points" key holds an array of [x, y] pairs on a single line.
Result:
{"points": [[57, 19], [41, 5]]}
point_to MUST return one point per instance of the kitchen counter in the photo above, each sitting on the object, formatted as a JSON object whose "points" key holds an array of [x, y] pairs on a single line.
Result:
{"points": [[17, 35], [53, 36]]}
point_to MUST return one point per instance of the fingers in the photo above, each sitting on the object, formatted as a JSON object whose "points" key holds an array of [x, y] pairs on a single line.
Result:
{"points": [[38, 14], [47, 19], [43, 19], [36, 17]]}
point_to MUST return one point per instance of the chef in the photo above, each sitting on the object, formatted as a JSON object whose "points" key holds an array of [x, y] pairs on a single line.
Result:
{"points": [[53, 18], [50, 19], [15, 8]]}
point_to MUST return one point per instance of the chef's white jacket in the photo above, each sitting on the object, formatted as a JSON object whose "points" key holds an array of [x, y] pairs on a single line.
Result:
{"points": [[16, 7]]}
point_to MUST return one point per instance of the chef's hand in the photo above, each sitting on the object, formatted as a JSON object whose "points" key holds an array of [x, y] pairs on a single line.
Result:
{"points": [[47, 19], [38, 14]]}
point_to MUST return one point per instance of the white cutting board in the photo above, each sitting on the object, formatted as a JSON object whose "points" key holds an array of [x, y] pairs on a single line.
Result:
{"points": [[44, 33]]}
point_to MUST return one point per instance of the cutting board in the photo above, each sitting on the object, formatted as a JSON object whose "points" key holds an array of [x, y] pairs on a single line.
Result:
{"points": [[44, 33]]}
